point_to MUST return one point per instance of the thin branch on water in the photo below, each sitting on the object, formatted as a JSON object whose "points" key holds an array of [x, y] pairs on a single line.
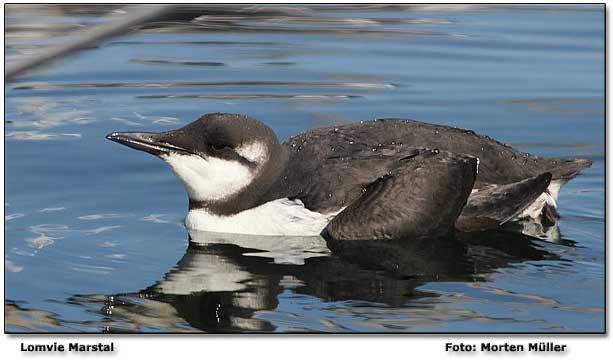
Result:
{"points": [[135, 16]]}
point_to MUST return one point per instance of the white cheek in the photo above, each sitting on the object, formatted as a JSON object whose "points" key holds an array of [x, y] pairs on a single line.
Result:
{"points": [[254, 152], [211, 178]]}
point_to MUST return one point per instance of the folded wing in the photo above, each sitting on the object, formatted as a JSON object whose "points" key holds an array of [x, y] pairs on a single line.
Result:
{"points": [[422, 196]]}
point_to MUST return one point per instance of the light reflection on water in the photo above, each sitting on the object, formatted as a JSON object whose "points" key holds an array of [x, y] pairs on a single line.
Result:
{"points": [[94, 235]]}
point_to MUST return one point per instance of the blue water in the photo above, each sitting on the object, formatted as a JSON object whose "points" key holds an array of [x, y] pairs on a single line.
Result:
{"points": [[94, 240]]}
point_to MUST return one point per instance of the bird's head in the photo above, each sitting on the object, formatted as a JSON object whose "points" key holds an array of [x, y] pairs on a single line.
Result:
{"points": [[218, 157]]}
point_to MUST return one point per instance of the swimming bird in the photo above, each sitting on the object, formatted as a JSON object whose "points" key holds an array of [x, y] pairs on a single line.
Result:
{"points": [[373, 180]]}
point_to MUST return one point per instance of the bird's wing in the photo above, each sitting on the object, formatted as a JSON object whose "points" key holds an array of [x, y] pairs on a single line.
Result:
{"points": [[421, 197], [493, 205]]}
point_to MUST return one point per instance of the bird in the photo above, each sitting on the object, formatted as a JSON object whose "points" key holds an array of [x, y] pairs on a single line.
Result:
{"points": [[382, 179]]}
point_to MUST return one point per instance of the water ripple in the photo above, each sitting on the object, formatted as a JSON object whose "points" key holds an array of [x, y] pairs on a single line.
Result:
{"points": [[150, 61], [248, 96], [311, 84], [93, 217], [10, 217], [174, 27], [36, 135], [12, 267]]}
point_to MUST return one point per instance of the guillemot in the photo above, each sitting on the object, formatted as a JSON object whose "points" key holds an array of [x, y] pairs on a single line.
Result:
{"points": [[374, 180]]}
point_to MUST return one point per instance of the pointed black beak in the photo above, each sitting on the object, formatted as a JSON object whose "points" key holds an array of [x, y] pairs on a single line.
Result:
{"points": [[153, 143]]}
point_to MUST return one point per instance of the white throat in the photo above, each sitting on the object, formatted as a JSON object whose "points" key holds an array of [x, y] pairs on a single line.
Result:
{"points": [[209, 179], [213, 179]]}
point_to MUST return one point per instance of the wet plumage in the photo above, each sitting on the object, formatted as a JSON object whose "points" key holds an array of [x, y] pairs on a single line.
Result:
{"points": [[373, 180]]}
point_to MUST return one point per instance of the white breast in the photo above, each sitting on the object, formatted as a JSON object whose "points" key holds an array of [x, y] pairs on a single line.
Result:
{"points": [[281, 217]]}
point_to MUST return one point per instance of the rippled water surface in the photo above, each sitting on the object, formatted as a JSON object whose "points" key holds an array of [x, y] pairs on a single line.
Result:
{"points": [[94, 234]]}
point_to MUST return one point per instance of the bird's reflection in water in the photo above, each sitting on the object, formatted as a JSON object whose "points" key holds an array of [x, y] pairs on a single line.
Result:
{"points": [[223, 281]]}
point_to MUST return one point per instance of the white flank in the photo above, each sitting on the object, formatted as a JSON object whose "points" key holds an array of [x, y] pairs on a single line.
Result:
{"points": [[211, 178], [281, 217], [550, 197]]}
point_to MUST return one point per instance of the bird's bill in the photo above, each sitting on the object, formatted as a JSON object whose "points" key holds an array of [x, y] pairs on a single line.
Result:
{"points": [[154, 143]]}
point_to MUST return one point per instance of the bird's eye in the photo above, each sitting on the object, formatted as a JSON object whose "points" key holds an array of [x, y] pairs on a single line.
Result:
{"points": [[219, 146]]}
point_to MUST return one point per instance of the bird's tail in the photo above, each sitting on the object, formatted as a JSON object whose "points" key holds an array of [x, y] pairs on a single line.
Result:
{"points": [[566, 169], [544, 208], [496, 204]]}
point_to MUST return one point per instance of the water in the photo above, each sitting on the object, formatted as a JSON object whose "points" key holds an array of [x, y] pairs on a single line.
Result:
{"points": [[94, 234]]}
